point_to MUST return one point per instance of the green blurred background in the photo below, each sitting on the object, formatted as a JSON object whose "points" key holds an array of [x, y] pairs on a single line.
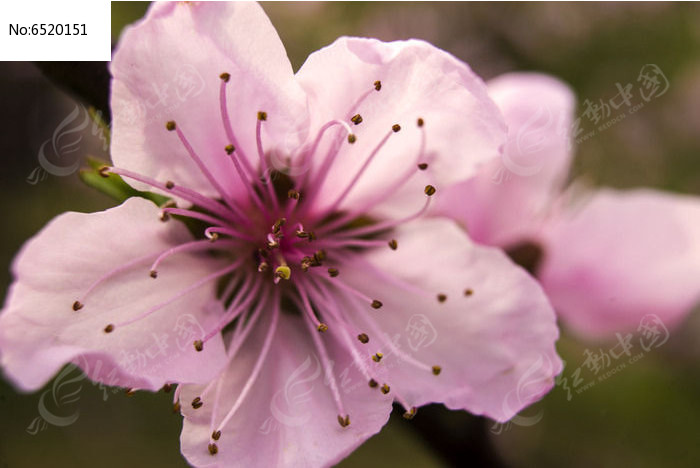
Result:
{"points": [[645, 415]]}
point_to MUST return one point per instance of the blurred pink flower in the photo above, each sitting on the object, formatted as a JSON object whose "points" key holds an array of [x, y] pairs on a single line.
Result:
{"points": [[309, 192], [606, 257]]}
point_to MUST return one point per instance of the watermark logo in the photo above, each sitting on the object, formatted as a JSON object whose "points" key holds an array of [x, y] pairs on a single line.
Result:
{"points": [[420, 332]]}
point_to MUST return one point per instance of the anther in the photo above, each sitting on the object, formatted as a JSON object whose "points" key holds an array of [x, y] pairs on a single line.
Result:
{"points": [[167, 387], [225, 77], [393, 245], [213, 449], [170, 125], [77, 305], [176, 407], [229, 149], [410, 414], [423, 166], [169, 185], [352, 138], [283, 272], [154, 274], [377, 357], [322, 327], [109, 328], [278, 224], [396, 128], [104, 171], [293, 194], [320, 255], [199, 345], [264, 266], [373, 383], [437, 370], [344, 421], [377, 85], [468, 292], [129, 391], [197, 403], [430, 190], [364, 339], [441, 297], [164, 216], [333, 272], [356, 119], [216, 435], [376, 304], [262, 116], [214, 237], [385, 389], [420, 122]]}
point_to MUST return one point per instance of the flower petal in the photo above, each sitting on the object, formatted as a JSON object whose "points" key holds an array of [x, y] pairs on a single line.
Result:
{"points": [[40, 331], [492, 334], [509, 198], [622, 255], [462, 126], [167, 67], [289, 417]]}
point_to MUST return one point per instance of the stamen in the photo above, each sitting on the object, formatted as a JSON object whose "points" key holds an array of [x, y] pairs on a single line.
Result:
{"points": [[441, 297], [266, 173], [437, 370], [363, 338], [393, 245], [377, 357], [344, 421], [410, 414], [385, 389], [186, 247], [356, 119], [468, 292], [333, 272], [423, 166], [377, 85], [257, 367], [197, 403]]}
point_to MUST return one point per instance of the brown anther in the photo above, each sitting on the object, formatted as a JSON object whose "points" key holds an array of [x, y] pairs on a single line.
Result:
{"points": [[216, 435], [229, 149], [396, 128], [364, 339], [170, 125], [377, 85], [377, 357], [312, 236], [320, 255], [225, 77], [199, 345], [213, 449], [420, 122], [333, 272], [262, 116], [430, 190], [167, 387], [109, 328], [264, 266], [176, 407], [423, 166], [302, 234], [376, 304], [197, 403], [164, 216], [293, 194], [393, 245], [77, 305], [356, 119], [410, 414], [344, 421], [154, 274], [468, 292], [385, 389], [437, 370], [104, 171], [373, 383], [169, 185], [278, 225], [129, 391], [322, 327], [441, 297], [214, 237], [352, 138]]}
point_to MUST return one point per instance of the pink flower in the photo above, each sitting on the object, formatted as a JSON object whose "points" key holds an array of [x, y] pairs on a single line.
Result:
{"points": [[608, 257], [313, 292]]}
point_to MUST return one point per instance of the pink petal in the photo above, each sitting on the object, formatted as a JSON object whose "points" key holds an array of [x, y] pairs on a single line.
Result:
{"points": [[167, 67], [40, 331], [622, 255], [289, 417], [495, 346], [462, 125], [509, 198]]}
